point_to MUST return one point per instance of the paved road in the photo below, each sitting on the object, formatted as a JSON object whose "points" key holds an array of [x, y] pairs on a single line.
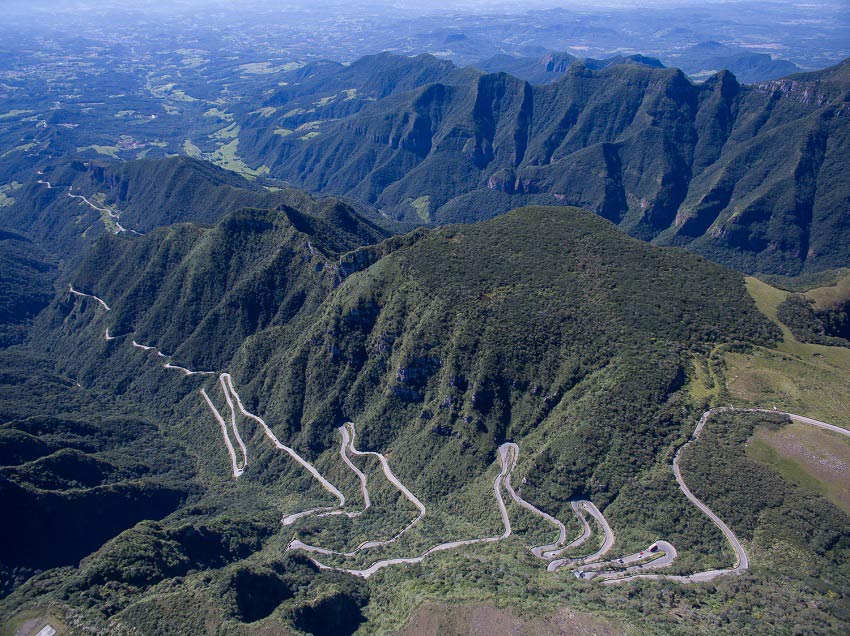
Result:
{"points": [[507, 459], [186, 372], [579, 540], [111, 213], [349, 432], [225, 388], [395, 482], [557, 548], [742, 561], [643, 560], [805, 420], [348, 441], [607, 544], [82, 295], [227, 381], [237, 470], [168, 365], [508, 455], [539, 550]]}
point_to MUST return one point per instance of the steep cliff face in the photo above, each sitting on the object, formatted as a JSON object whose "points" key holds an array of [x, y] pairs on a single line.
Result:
{"points": [[745, 175]]}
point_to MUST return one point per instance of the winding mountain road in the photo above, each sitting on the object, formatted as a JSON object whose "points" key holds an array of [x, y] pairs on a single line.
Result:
{"points": [[578, 509], [349, 433], [82, 295], [607, 543], [507, 459], [742, 562], [237, 470], [348, 441], [644, 560], [388, 473], [168, 365], [552, 550], [108, 211], [540, 550], [508, 454], [227, 381]]}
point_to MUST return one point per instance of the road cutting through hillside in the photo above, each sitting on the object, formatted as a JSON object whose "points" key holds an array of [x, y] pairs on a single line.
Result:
{"points": [[388, 473], [662, 556], [82, 295], [237, 470], [227, 383], [578, 509], [539, 550], [112, 215], [550, 551], [186, 372], [109, 212], [508, 454], [507, 459], [233, 426], [349, 433], [607, 542], [168, 365], [348, 440], [742, 562]]}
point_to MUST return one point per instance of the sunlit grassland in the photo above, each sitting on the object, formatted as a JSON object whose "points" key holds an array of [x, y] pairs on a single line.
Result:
{"points": [[807, 379], [806, 456]]}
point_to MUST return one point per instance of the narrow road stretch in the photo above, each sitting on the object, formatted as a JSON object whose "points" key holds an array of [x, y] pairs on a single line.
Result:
{"points": [[662, 557], [82, 295], [550, 551], [109, 212], [349, 433], [388, 473], [607, 543], [237, 469], [742, 562], [507, 459], [227, 383], [168, 365], [578, 509], [540, 550], [348, 441], [613, 571]]}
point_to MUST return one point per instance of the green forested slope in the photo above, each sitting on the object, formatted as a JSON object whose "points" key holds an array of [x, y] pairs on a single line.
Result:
{"points": [[747, 175], [546, 326], [150, 193], [25, 287]]}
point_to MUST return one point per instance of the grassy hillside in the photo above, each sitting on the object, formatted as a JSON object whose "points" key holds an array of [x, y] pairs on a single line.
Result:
{"points": [[809, 379]]}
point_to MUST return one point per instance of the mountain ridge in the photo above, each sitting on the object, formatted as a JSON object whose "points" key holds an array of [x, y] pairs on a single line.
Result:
{"points": [[667, 159]]}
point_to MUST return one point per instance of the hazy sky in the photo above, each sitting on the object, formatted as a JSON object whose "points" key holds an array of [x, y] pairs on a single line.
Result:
{"points": [[464, 6]]}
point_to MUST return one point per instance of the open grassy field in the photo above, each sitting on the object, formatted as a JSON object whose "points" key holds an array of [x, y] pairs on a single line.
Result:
{"points": [[808, 379], [806, 456], [31, 622], [831, 295]]}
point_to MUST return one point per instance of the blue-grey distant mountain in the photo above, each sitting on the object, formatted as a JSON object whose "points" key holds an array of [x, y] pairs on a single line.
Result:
{"points": [[552, 66], [749, 66]]}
